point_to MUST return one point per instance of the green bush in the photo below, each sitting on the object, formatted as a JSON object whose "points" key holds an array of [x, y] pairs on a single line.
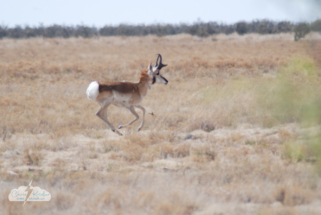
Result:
{"points": [[267, 27], [316, 25], [242, 28], [301, 30], [284, 26]]}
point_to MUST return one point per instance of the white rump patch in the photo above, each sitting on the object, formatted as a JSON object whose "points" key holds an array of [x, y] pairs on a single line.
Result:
{"points": [[93, 90]]}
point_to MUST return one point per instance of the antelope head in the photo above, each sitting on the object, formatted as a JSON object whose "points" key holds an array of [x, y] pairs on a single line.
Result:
{"points": [[155, 71]]}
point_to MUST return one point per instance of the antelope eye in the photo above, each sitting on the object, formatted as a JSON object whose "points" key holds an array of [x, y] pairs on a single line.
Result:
{"points": [[157, 73]]}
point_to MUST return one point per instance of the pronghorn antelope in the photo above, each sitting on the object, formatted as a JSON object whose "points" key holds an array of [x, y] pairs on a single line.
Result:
{"points": [[125, 94]]}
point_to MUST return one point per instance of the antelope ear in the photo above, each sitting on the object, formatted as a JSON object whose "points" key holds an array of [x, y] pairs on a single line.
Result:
{"points": [[154, 69], [150, 67]]}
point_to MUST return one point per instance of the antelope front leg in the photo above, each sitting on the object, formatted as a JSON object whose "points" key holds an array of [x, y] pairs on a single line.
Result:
{"points": [[102, 114], [132, 110], [143, 109]]}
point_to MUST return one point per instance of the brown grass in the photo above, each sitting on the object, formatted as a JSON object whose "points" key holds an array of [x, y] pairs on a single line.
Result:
{"points": [[217, 139]]}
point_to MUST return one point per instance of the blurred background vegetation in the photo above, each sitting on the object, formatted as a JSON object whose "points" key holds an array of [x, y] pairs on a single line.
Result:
{"points": [[199, 28], [294, 96]]}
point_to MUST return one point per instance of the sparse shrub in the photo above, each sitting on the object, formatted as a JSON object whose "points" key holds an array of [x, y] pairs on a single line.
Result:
{"points": [[301, 30], [133, 152], [64, 201], [203, 153], [3, 31], [8, 145], [251, 143], [293, 151], [166, 150], [115, 156], [293, 97], [286, 135], [208, 127], [30, 32], [110, 198], [229, 29], [182, 151], [93, 155], [279, 194], [59, 164], [316, 25], [173, 208], [313, 151], [138, 139], [32, 156], [201, 29], [267, 27], [86, 32], [279, 211], [284, 26], [91, 146], [107, 147], [293, 195], [16, 32], [159, 137], [242, 28], [176, 204]]}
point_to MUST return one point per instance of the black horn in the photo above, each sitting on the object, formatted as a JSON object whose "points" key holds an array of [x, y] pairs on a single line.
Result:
{"points": [[156, 63], [160, 64]]}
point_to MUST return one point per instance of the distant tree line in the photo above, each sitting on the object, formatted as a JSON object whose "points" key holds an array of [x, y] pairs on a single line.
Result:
{"points": [[201, 29]]}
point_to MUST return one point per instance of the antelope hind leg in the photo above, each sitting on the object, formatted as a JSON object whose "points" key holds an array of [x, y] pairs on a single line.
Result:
{"points": [[102, 114]]}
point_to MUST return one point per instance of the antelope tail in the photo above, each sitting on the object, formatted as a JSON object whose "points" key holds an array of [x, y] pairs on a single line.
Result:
{"points": [[93, 90]]}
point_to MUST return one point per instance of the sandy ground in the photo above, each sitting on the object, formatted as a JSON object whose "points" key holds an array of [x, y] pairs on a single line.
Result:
{"points": [[210, 145]]}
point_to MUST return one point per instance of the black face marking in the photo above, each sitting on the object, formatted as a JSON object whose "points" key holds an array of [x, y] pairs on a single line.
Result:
{"points": [[164, 79], [154, 80]]}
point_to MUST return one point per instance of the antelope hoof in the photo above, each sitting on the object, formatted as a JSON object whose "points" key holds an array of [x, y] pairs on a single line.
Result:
{"points": [[120, 134], [117, 132], [120, 126]]}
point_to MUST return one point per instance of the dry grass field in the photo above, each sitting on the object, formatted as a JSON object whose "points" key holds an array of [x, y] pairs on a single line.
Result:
{"points": [[236, 130]]}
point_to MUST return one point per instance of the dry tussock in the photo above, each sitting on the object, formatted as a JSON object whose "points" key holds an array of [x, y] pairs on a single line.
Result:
{"points": [[221, 137], [293, 195], [32, 156], [64, 201], [203, 153]]}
